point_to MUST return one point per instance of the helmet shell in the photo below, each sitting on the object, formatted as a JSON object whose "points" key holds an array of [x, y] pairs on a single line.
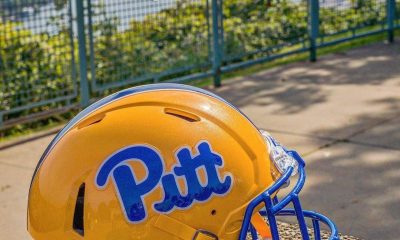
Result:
{"points": [[168, 119]]}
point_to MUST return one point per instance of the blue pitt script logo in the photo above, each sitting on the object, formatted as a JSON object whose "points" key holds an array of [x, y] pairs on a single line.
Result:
{"points": [[132, 192]]}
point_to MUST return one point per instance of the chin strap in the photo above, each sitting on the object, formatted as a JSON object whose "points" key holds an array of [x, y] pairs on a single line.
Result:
{"points": [[261, 226], [181, 230]]}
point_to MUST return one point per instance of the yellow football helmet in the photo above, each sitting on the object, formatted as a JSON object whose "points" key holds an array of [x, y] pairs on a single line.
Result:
{"points": [[164, 161]]}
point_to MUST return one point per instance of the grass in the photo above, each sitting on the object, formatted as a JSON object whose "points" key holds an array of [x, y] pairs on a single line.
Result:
{"points": [[56, 121]]}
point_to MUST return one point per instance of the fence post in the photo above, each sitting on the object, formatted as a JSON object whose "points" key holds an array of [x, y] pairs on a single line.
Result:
{"points": [[313, 13], [390, 12], [80, 21], [217, 51]]}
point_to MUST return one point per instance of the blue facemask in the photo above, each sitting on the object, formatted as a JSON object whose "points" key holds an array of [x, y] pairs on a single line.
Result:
{"points": [[289, 163]]}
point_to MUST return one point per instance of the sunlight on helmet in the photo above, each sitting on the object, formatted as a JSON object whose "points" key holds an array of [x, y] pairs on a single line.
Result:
{"points": [[279, 156]]}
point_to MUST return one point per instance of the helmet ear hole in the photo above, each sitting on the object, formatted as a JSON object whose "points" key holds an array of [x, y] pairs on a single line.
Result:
{"points": [[78, 224]]}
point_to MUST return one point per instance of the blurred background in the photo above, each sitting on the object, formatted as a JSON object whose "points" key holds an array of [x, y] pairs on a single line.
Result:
{"points": [[321, 75]]}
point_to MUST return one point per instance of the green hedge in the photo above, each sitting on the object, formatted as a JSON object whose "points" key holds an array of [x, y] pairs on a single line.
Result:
{"points": [[33, 67]]}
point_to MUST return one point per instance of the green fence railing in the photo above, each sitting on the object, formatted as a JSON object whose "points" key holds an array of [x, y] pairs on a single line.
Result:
{"points": [[257, 31], [397, 14], [59, 54]]}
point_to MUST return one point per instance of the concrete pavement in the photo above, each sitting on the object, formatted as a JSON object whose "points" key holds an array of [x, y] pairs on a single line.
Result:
{"points": [[342, 113]]}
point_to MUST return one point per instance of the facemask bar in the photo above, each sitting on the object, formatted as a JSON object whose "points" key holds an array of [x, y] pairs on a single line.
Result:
{"points": [[274, 207]]}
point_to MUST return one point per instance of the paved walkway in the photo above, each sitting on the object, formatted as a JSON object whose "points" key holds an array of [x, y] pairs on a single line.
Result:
{"points": [[342, 113]]}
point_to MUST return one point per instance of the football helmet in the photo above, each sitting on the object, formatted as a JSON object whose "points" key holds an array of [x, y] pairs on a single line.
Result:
{"points": [[165, 161]]}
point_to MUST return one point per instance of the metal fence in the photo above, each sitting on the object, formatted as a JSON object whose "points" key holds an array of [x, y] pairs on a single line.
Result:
{"points": [[59, 54], [37, 61], [397, 14]]}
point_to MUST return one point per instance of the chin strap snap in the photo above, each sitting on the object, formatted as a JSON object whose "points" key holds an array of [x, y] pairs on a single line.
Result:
{"points": [[182, 230], [261, 226]]}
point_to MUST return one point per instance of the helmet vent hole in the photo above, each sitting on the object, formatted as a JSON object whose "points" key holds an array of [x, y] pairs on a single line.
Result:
{"points": [[91, 121], [213, 212], [78, 225], [182, 114]]}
